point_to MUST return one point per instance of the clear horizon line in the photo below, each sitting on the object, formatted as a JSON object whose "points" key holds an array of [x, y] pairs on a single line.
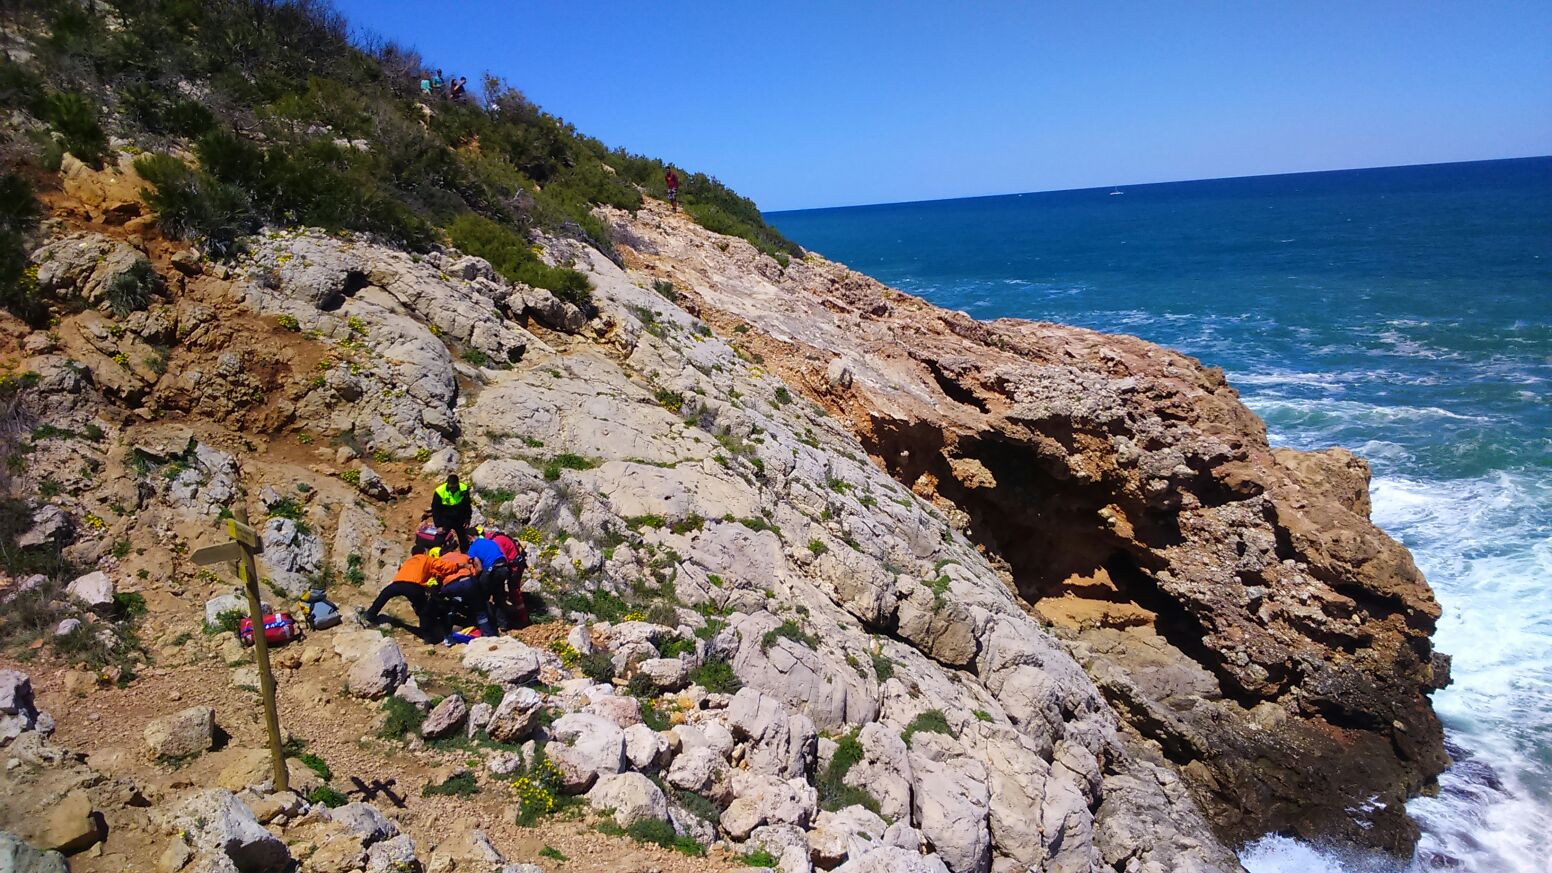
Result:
{"points": [[1145, 184]]}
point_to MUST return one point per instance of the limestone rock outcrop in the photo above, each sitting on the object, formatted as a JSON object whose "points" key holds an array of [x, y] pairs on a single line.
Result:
{"points": [[1234, 603]]}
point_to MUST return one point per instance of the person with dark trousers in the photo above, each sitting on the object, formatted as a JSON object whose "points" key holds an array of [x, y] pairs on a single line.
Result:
{"points": [[413, 581], [462, 591], [671, 180], [494, 575], [516, 612], [452, 509]]}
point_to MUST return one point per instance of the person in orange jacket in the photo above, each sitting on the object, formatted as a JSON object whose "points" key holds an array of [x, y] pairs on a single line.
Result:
{"points": [[460, 575], [412, 581]]}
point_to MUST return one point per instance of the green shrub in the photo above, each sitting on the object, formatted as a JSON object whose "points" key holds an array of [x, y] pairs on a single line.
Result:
{"points": [[883, 668], [553, 854], [673, 401], [191, 205], [759, 858], [716, 675], [566, 461], [159, 111], [227, 620], [932, 721], [75, 119], [316, 764], [130, 604], [326, 796], [787, 630], [458, 785], [18, 281], [834, 793], [599, 667], [512, 255], [658, 832], [492, 695], [131, 290], [402, 718]]}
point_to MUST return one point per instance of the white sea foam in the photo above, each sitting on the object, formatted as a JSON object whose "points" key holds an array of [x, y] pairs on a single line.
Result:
{"points": [[1486, 545], [1349, 411]]}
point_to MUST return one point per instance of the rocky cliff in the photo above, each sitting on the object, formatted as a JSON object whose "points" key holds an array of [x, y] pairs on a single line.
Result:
{"points": [[693, 518], [828, 576], [1233, 603]]}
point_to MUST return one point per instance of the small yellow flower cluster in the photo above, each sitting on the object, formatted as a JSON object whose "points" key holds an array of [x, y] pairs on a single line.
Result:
{"points": [[634, 616], [568, 655], [95, 521], [121, 359], [532, 795]]}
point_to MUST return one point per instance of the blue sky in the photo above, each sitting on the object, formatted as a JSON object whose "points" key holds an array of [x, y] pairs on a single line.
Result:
{"points": [[809, 104]]}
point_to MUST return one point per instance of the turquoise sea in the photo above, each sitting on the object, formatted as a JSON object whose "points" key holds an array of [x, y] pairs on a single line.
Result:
{"points": [[1403, 312]]}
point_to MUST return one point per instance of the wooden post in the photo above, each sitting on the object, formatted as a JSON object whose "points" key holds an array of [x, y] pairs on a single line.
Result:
{"points": [[244, 545], [248, 572]]}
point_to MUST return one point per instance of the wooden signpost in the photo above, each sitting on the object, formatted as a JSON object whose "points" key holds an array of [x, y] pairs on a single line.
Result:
{"points": [[240, 551]]}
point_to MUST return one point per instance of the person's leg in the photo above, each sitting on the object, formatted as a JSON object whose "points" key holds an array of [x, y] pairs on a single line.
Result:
{"points": [[518, 609], [408, 590], [466, 598]]}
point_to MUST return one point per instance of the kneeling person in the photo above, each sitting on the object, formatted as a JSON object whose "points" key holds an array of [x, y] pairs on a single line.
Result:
{"points": [[412, 582]]}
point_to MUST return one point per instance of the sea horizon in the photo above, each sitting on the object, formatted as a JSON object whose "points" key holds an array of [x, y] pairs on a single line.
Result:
{"points": [[1124, 186]]}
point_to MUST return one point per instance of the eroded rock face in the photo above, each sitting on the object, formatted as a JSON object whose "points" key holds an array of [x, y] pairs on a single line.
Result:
{"points": [[1235, 603]]}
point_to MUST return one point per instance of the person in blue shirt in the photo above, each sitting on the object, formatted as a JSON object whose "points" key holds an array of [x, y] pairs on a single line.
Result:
{"points": [[494, 574]]}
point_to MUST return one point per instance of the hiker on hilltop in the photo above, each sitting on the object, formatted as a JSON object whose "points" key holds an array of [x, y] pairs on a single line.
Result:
{"points": [[437, 82], [451, 509], [671, 179], [413, 581], [456, 87], [425, 84]]}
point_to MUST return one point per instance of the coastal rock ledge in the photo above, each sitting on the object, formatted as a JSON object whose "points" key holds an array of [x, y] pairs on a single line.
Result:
{"points": [[1233, 602]]}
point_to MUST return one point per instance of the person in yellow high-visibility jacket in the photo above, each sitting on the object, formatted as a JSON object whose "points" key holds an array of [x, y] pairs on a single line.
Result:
{"points": [[452, 508]]}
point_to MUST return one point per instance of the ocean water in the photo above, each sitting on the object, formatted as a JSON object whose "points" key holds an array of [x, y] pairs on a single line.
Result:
{"points": [[1404, 313]]}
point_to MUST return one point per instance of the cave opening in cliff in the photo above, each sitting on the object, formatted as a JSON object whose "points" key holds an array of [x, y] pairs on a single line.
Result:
{"points": [[1056, 534]]}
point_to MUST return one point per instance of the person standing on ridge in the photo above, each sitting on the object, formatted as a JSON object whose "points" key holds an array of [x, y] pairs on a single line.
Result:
{"points": [[436, 82], [452, 509], [671, 179]]}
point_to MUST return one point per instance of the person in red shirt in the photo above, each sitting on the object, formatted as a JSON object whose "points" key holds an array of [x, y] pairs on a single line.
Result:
{"points": [[516, 612], [671, 179], [413, 581]]}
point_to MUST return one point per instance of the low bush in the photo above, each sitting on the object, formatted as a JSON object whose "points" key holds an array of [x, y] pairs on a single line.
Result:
{"points": [[317, 765], [834, 793], [458, 785], [74, 117], [599, 667], [932, 721], [131, 290], [716, 675], [402, 717], [325, 796], [512, 255], [18, 279], [191, 205]]}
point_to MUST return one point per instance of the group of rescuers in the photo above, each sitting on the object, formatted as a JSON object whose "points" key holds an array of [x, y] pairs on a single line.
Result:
{"points": [[456, 575]]}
